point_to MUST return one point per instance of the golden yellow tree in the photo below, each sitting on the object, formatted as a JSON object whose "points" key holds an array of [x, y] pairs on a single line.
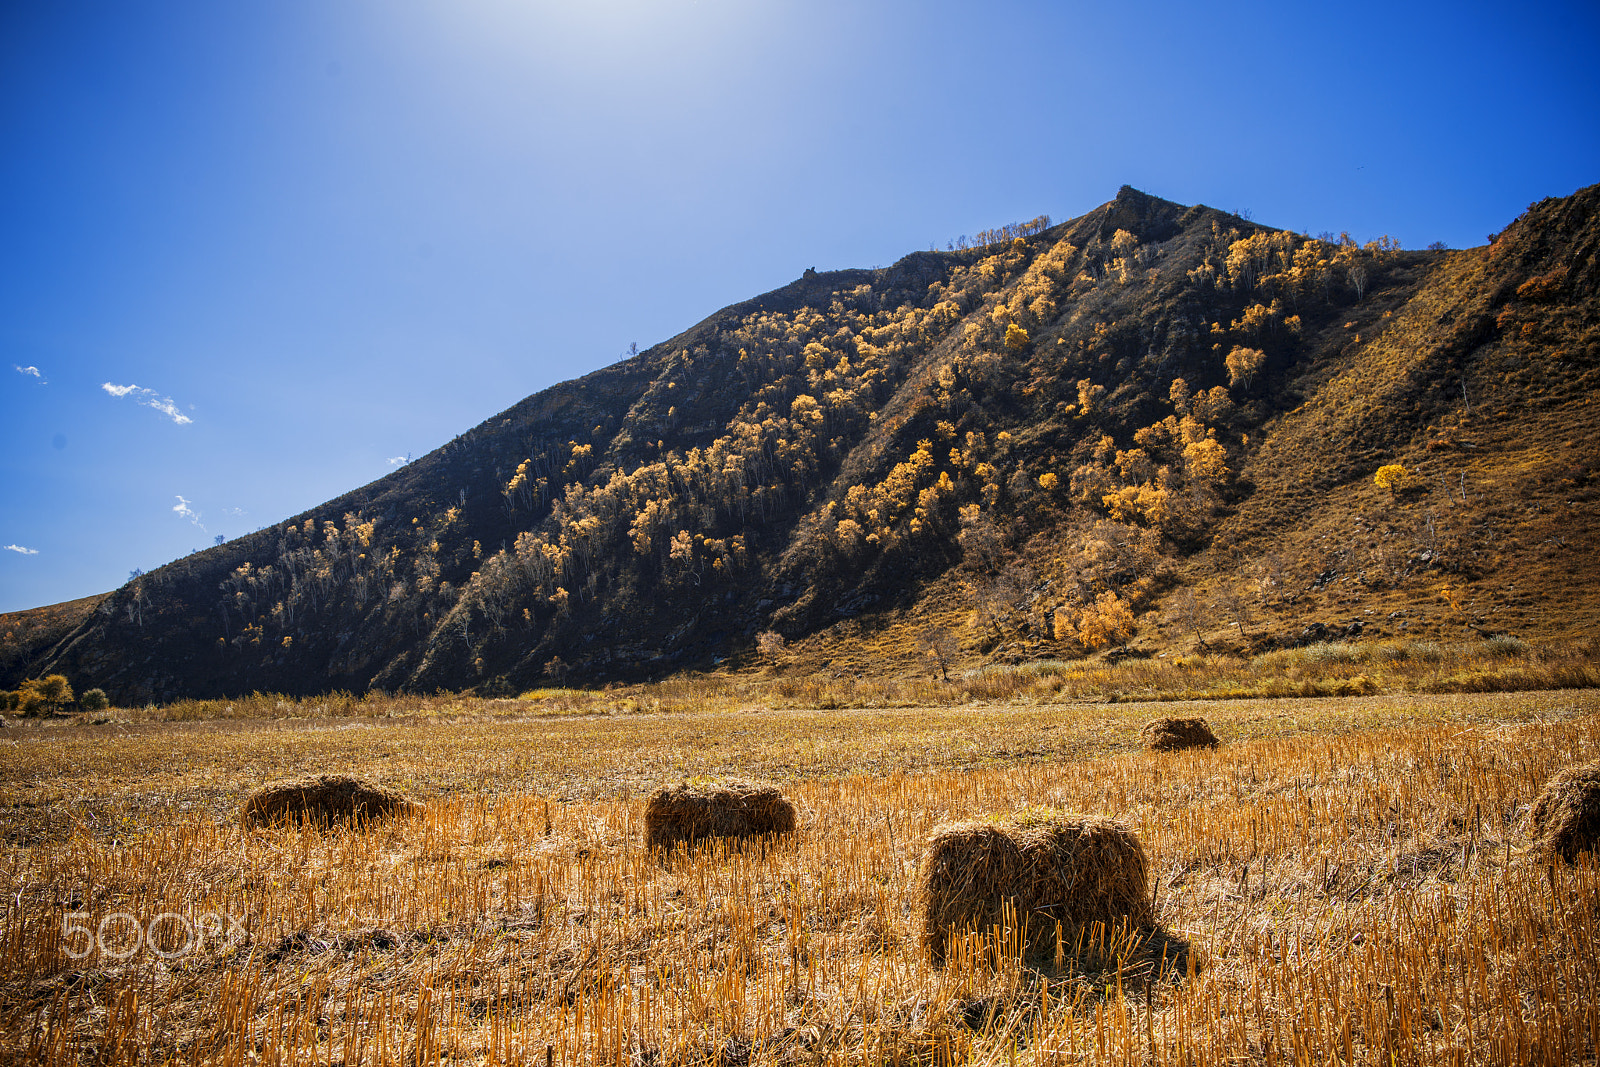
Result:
{"points": [[1206, 461], [1393, 477], [1242, 364], [44, 696], [1106, 622]]}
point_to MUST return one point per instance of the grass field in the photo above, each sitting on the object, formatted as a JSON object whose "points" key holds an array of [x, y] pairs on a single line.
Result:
{"points": [[1345, 880]]}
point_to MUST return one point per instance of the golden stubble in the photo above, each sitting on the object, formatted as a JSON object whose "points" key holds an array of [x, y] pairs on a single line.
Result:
{"points": [[1342, 881]]}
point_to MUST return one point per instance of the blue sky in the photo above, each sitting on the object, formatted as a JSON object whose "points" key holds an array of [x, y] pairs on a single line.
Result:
{"points": [[254, 253]]}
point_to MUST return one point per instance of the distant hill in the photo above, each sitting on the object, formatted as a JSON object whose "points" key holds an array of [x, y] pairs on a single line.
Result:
{"points": [[1153, 426]]}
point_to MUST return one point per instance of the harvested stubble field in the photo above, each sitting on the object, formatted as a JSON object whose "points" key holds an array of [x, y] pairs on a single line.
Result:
{"points": [[1342, 881]]}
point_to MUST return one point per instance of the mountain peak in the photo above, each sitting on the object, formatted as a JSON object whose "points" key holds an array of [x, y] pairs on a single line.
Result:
{"points": [[1045, 445]]}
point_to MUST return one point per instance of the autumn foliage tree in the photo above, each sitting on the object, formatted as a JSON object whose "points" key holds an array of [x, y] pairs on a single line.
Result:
{"points": [[1242, 365], [771, 645], [1395, 478], [1106, 622], [44, 696]]}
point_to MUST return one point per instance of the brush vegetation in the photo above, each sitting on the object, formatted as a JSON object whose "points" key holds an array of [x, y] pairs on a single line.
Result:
{"points": [[1327, 669]]}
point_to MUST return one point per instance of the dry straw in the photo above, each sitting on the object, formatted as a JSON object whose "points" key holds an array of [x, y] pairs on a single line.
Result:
{"points": [[701, 809], [1050, 867], [324, 799], [1170, 735], [1566, 817]]}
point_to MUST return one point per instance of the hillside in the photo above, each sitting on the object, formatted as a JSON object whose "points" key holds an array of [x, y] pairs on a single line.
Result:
{"points": [[1152, 425]]}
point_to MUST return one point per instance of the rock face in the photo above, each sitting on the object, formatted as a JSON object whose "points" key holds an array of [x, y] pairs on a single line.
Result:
{"points": [[1067, 398]]}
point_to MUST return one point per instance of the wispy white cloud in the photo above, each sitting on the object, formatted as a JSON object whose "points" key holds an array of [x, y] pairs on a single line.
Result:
{"points": [[150, 399], [234, 513], [21, 550], [182, 508], [395, 461], [31, 372]]}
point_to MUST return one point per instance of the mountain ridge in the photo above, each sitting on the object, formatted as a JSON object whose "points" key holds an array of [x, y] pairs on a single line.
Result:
{"points": [[1079, 422]]}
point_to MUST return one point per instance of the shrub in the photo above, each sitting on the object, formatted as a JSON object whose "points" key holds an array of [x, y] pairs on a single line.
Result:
{"points": [[94, 700]]}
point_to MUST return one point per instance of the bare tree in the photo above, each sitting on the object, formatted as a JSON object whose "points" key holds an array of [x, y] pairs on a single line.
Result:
{"points": [[1187, 611], [1269, 578], [1357, 273], [1238, 607], [771, 645], [939, 645]]}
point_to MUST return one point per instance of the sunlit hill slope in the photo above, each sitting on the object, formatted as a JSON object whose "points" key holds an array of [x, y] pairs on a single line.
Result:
{"points": [[1151, 428]]}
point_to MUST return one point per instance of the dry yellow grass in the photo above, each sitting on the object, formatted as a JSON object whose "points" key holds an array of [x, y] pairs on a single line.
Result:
{"points": [[1352, 878], [857, 673]]}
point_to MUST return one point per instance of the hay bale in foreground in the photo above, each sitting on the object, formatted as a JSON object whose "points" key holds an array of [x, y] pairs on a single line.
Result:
{"points": [[701, 809], [1170, 735], [325, 799], [1566, 817], [1054, 866]]}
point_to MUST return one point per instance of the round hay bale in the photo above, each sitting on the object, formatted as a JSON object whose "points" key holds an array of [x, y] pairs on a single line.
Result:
{"points": [[324, 799], [1055, 867], [701, 809], [1566, 817], [1170, 735]]}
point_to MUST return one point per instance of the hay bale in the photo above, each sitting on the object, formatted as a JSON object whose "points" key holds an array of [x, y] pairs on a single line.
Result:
{"points": [[1170, 735], [325, 799], [702, 809], [1053, 866], [1566, 817]]}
